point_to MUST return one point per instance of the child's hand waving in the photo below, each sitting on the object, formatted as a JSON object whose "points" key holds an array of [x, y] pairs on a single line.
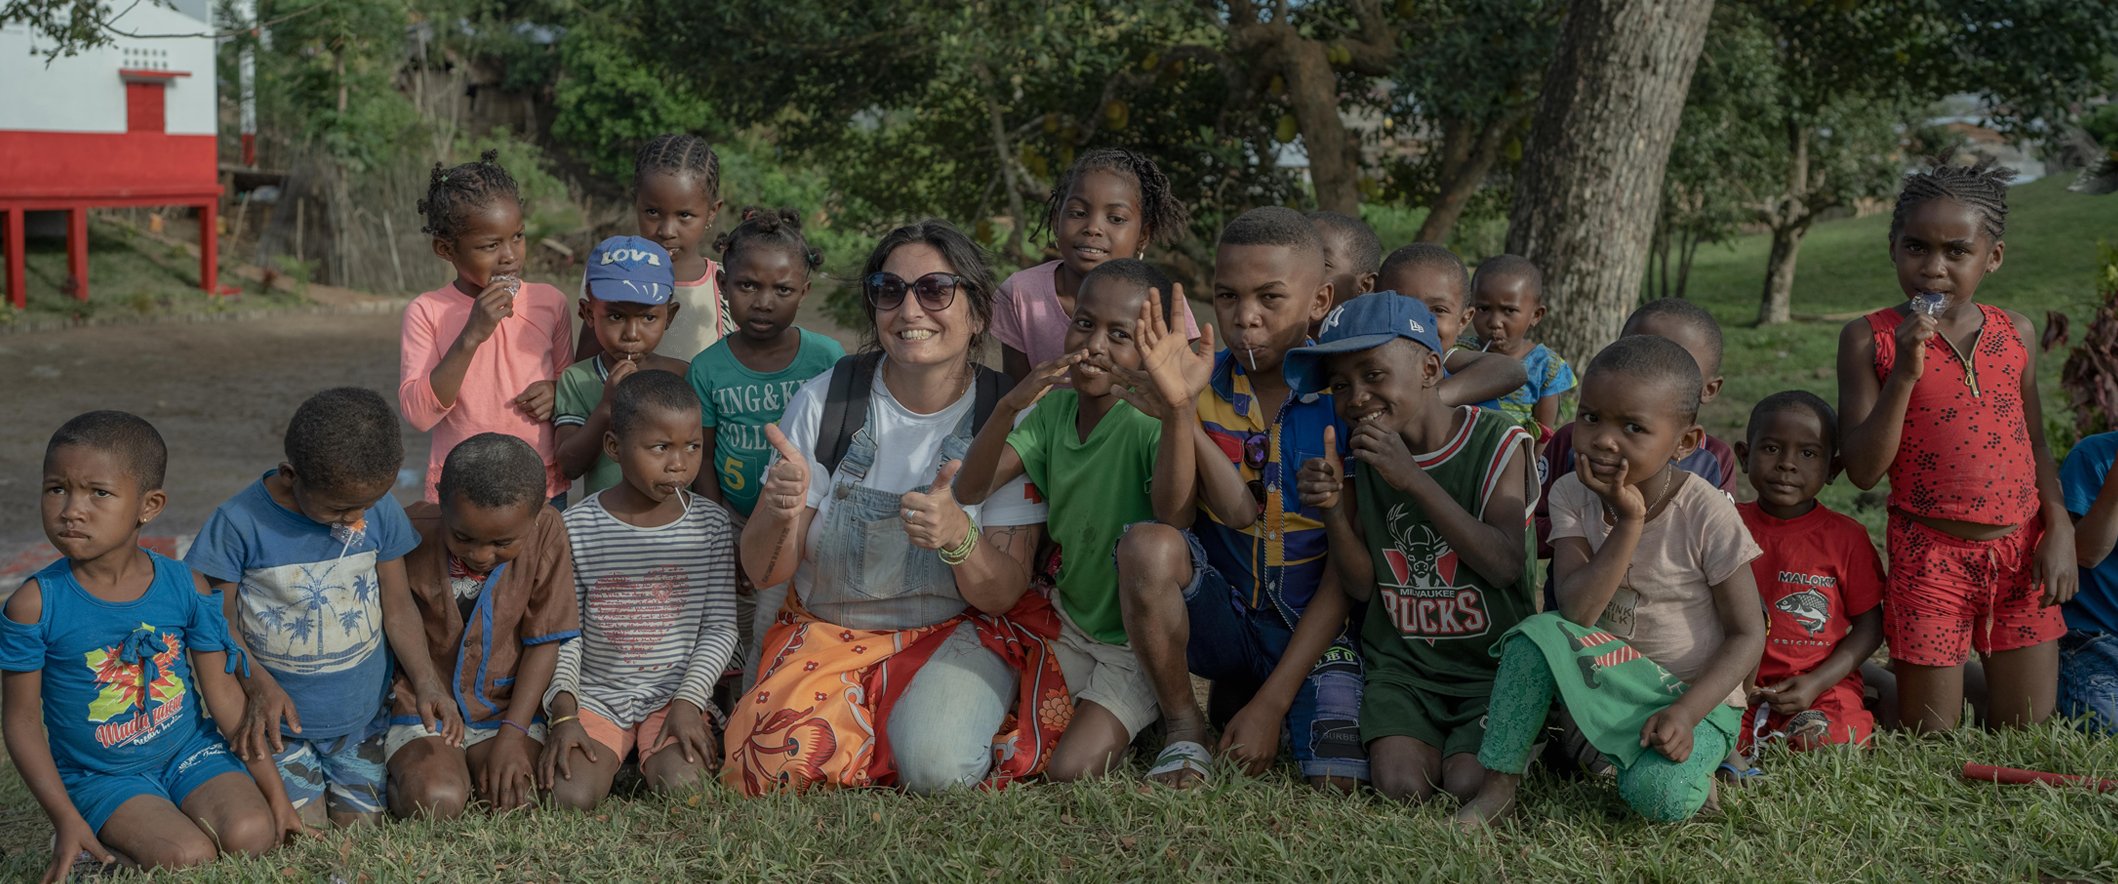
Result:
{"points": [[1322, 478], [1178, 368], [1667, 733], [1038, 382], [685, 730]]}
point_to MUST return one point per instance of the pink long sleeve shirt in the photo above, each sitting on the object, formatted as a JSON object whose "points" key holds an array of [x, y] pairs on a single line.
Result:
{"points": [[535, 344]]}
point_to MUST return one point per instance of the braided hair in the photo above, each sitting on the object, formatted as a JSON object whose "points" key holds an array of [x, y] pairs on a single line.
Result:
{"points": [[769, 227], [1982, 186], [455, 192], [679, 154], [1160, 212]]}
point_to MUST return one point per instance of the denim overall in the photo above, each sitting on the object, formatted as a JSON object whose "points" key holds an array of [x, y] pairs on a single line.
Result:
{"points": [[870, 576]]}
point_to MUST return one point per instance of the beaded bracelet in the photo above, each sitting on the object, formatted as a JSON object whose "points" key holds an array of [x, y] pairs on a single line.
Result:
{"points": [[962, 553]]}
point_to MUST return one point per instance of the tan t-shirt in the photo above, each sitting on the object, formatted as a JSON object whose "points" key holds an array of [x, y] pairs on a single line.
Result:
{"points": [[1664, 607]]}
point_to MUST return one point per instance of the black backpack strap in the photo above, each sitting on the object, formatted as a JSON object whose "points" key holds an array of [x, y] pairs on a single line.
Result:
{"points": [[991, 385], [845, 407]]}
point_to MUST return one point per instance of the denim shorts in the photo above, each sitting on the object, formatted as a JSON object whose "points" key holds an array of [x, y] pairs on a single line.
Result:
{"points": [[98, 795], [2088, 679], [1233, 643]]}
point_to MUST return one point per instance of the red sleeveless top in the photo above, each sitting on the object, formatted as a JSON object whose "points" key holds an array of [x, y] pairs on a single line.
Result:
{"points": [[1964, 453]]}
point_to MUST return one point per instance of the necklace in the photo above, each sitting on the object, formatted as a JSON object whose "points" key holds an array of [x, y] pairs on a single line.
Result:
{"points": [[1669, 476]]}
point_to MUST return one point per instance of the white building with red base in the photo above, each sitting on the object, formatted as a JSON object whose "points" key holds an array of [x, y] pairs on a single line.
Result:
{"points": [[127, 124]]}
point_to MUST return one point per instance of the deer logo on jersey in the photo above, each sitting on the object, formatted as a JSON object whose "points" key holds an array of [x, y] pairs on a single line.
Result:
{"points": [[1420, 591]]}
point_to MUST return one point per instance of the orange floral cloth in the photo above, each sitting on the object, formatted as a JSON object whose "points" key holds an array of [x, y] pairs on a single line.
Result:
{"points": [[816, 716]]}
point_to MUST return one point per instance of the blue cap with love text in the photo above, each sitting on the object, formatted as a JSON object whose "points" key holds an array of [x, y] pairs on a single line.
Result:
{"points": [[631, 269], [1361, 323]]}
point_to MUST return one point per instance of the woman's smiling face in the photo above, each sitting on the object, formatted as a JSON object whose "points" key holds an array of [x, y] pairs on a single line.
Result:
{"points": [[914, 335]]}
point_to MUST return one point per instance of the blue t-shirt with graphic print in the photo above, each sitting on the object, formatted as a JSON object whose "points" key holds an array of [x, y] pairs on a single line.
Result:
{"points": [[308, 602]]}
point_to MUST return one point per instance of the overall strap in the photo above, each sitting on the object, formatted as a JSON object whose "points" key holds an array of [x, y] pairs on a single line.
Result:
{"points": [[845, 407]]}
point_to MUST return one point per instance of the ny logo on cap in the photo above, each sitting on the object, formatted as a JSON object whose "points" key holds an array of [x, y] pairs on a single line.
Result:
{"points": [[1331, 321], [1415, 326], [615, 255]]}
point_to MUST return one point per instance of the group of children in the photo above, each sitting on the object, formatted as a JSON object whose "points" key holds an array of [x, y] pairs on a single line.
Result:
{"points": [[1340, 516]]}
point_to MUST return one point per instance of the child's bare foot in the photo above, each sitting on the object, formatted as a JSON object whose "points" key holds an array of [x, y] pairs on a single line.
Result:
{"points": [[1495, 798]]}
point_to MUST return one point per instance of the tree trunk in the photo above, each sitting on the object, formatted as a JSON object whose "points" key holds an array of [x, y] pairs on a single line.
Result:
{"points": [[1468, 153], [1778, 304], [1789, 222], [1334, 154], [1591, 182], [1004, 155], [1690, 250]]}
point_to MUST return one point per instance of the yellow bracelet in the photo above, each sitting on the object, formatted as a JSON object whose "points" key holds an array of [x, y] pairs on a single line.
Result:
{"points": [[962, 553], [560, 720]]}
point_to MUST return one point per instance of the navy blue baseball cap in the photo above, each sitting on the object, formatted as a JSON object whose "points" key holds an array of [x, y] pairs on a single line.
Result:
{"points": [[631, 269], [1361, 323]]}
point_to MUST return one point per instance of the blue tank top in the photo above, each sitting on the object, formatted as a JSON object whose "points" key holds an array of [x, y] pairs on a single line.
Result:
{"points": [[118, 692]]}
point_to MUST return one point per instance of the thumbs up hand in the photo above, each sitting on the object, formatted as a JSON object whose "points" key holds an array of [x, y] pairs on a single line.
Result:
{"points": [[786, 490], [1322, 478], [933, 519]]}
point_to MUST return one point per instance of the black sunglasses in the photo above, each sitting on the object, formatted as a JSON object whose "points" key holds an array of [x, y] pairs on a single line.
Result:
{"points": [[936, 291]]}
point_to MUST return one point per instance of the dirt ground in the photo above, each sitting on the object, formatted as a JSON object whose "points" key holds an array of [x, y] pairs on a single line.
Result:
{"points": [[219, 392]]}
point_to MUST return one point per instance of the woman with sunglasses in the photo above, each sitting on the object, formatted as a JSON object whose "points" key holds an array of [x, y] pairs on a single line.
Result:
{"points": [[908, 641]]}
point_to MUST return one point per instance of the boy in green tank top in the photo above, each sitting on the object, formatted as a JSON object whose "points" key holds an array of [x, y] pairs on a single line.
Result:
{"points": [[1430, 528]]}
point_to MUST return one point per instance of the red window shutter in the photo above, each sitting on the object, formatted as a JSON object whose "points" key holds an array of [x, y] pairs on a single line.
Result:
{"points": [[143, 106]]}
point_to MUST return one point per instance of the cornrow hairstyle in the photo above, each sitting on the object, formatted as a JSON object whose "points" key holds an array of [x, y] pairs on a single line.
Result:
{"points": [[1685, 313], [1141, 276], [1653, 360], [1364, 248], [1275, 226], [344, 438], [1511, 267], [492, 471], [1795, 400], [130, 437], [1425, 254], [1982, 186], [769, 227], [974, 274], [1163, 216], [678, 153], [455, 192], [652, 390]]}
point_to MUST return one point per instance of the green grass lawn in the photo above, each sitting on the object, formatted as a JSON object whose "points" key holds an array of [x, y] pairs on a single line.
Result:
{"points": [[129, 274], [1896, 812]]}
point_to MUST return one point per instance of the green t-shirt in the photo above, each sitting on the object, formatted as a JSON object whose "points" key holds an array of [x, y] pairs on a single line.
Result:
{"points": [[738, 402], [1094, 489], [580, 390], [1434, 620]]}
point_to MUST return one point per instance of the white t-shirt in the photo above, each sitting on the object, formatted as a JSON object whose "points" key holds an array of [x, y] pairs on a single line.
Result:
{"points": [[907, 445]]}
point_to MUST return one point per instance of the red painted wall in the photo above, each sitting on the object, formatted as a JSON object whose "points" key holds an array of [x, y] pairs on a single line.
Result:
{"points": [[90, 164]]}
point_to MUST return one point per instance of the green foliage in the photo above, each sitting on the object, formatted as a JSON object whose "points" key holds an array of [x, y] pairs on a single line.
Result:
{"points": [[614, 92], [62, 27], [2090, 377], [548, 206], [326, 77]]}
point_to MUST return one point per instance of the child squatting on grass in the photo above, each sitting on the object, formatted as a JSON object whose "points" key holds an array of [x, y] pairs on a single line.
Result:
{"points": [[1658, 621]]}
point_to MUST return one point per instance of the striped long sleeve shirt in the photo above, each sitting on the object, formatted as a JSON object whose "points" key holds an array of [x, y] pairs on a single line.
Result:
{"points": [[657, 611]]}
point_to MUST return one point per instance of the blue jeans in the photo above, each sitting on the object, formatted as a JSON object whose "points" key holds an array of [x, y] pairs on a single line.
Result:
{"points": [[1243, 646], [941, 730], [2088, 679]]}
